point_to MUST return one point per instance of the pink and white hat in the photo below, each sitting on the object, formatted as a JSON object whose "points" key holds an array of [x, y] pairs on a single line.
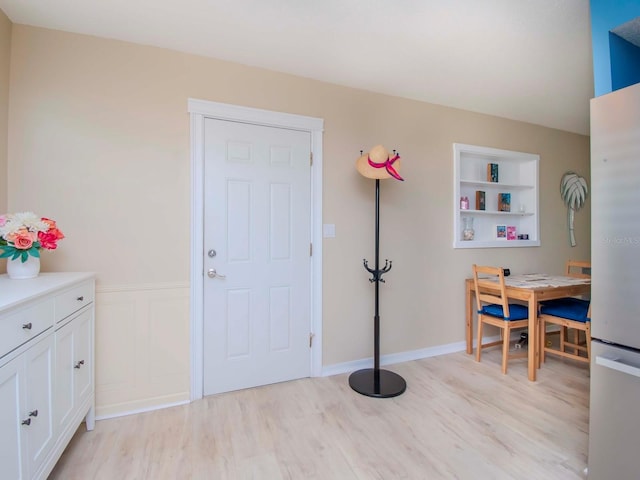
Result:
{"points": [[379, 164]]}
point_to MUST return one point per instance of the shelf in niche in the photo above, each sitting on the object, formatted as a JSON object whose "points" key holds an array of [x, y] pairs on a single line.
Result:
{"points": [[495, 184], [497, 243], [493, 212]]}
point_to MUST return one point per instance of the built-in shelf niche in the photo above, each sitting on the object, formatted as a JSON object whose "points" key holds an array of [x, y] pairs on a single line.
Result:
{"points": [[517, 176]]}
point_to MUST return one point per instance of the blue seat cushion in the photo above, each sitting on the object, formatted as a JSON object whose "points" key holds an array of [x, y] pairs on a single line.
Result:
{"points": [[516, 312], [565, 301], [569, 308]]}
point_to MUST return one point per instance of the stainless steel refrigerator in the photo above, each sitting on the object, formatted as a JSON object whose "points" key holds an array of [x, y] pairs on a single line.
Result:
{"points": [[614, 410]]}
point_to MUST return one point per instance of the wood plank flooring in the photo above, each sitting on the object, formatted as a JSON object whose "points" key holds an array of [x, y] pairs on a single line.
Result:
{"points": [[458, 419]]}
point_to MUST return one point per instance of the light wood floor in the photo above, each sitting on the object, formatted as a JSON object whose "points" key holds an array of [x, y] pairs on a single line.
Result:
{"points": [[458, 419]]}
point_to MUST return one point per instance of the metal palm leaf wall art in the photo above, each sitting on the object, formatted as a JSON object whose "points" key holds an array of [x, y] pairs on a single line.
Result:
{"points": [[574, 191]]}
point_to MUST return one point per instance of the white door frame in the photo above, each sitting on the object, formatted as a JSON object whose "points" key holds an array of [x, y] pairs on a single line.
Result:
{"points": [[198, 111]]}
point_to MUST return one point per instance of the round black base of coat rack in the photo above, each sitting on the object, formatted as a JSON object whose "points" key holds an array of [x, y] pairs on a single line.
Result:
{"points": [[377, 383]]}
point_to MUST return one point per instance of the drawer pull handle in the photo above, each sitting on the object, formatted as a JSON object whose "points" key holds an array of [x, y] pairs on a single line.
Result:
{"points": [[79, 364], [27, 326], [80, 299], [34, 413], [26, 422]]}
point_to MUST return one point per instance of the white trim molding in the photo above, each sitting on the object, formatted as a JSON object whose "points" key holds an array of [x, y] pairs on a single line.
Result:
{"points": [[393, 358], [400, 357], [198, 111], [133, 411], [140, 287]]}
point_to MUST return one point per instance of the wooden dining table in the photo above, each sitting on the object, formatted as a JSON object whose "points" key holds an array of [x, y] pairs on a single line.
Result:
{"points": [[531, 288]]}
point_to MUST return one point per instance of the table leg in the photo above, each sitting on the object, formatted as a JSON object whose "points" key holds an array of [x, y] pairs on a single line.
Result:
{"points": [[469, 317], [541, 338], [533, 353]]}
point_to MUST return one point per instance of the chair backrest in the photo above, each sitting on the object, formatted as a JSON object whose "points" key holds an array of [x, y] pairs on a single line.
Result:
{"points": [[490, 288], [578, 269]]}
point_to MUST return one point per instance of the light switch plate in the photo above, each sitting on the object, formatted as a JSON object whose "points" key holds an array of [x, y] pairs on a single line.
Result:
{"points": [[328, 230]]}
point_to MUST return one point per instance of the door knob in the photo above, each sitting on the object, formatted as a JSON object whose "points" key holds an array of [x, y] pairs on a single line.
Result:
{"points": [[213, 274]]}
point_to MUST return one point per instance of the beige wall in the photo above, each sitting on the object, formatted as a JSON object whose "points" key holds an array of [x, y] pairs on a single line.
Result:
{"points": [[99, 140], [5, 54]]}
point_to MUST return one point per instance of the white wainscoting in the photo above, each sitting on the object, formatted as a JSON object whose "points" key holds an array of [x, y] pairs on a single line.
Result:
{"points": [[142, 348]]}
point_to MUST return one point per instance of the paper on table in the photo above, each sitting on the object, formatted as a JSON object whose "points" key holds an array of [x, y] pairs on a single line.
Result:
{"points": [[533, 280]]}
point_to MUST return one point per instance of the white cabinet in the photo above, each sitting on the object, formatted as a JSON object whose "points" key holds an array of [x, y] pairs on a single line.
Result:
{"points": [[74, 375], [26, 407], [11, 384], [508, 215], [37, 422], [46, 327]]}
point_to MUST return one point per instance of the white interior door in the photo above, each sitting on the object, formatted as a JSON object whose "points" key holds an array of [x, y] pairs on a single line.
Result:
{"points": [[257, 236]]}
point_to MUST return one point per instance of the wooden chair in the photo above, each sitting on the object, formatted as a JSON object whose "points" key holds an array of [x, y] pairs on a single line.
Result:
{"points": [[493, 309], [576, 269], [574, 313]]}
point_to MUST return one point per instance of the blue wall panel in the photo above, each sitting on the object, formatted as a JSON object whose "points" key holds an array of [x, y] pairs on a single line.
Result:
{"points": [[605, 16], [625, 62]]}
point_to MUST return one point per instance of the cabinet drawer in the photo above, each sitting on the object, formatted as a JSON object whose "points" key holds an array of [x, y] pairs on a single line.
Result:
{"points": [[73, 300], [19, 327]]}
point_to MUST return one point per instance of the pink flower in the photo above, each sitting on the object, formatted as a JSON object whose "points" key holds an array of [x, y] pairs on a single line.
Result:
{"points": [[23, 240], [49, 239], [21, 232], [53, 228], [54, 231], [3, 220]]}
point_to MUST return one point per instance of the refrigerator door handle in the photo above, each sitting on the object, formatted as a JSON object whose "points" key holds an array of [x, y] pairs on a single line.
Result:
{"points": [[619, 365]]}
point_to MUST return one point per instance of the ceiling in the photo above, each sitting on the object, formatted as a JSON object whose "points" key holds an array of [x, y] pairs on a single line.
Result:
{"points": [[630, 31], [527, 60]]}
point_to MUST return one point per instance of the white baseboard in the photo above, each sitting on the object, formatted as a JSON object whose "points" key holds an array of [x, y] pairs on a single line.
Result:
{"points": [[141, 410], [392, 358]]}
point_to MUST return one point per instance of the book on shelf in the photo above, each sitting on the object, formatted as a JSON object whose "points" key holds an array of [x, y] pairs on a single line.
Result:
{"points": [[492, 172], [480, 200], [501, 232], [504, 202], [511, 232]]}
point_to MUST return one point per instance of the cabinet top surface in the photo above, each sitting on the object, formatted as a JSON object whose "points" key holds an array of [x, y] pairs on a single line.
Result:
{"points": [[17, 292]]}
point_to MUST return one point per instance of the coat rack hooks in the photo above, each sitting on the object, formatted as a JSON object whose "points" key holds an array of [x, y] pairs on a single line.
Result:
{"points": [[377, 274]]}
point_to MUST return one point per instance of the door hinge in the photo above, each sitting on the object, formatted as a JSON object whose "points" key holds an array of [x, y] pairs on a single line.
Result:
{"points": [[311, 249], [311, 159], [311, 335]]}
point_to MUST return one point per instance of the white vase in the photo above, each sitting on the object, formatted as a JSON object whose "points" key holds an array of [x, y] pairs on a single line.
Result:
{"points": [[16, 269]]}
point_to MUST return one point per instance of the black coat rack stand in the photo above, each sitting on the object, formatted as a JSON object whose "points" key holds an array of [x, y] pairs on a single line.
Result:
{"points": [[374, 382]]}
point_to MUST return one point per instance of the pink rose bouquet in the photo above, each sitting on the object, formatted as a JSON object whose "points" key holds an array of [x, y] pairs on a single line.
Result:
{"points": [[24, 234]]}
